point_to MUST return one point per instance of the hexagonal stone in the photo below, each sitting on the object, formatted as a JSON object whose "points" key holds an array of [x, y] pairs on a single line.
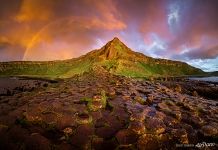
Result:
{"points": [[126, 137], [137, 127], [97, 143], [147, 141], [83, 118], [82, 136], [105, 132], [65, 121], [180, 135], [36, 142], [155, 125], [209, 130], [137, 117]]}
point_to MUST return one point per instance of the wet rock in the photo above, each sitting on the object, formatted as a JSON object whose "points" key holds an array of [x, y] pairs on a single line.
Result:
{"points": [[137, 117], [178, 88], [126, 147], [155, 125], [150, 98], [97, 143], [126, 97], [110, 144], [105, 132], [96, 115], [147, 141], [126, 137], [82, 137], [18, 133], [193, 120], [175, 114], [112, 92], [137, 127], [36, 142], [163, 106], [32, 116], [64, 146], [154, 115], [101, 122], [195, 93], [114, 122], [170, 121], [50, 118], [140, 100], [83, 118], [209, 130], [180, 135], [164, 139], [65, 121], [159, 115]]}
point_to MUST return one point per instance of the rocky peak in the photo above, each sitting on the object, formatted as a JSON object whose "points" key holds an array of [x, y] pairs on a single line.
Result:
{"points": [[115, 40], [114, 49]]}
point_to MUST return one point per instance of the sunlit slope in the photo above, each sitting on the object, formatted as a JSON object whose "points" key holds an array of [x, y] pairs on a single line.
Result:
{"points": [[114, 57]]}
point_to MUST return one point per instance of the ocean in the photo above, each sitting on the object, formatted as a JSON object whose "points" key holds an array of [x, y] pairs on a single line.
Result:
{"points": [[210, 79]]}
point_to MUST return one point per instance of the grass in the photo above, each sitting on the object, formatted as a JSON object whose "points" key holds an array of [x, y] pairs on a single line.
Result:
{"points": [[125, 63], [51, 70], [103, 98]]}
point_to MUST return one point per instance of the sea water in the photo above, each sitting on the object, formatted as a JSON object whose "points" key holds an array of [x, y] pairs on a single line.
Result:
{"points": [[210, 79]]}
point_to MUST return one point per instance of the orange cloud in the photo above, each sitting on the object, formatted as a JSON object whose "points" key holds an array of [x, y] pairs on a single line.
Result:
{"points": [[35, 10], [109, 15]]}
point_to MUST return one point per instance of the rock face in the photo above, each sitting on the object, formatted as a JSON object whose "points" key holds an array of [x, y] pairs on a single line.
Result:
{"points": [[114, 49], [99, 110]]}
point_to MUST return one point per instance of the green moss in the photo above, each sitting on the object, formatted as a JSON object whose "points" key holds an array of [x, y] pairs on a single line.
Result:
{"points": [[86, 99], [103, 98], [103, 102]]}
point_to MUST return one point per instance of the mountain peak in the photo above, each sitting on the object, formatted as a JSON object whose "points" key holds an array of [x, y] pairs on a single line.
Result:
{"points": [[116, 39], [114, 48]]}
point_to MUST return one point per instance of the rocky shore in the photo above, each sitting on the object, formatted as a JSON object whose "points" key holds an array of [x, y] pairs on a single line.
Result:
{"points": [[206, 89], [104, 111]]}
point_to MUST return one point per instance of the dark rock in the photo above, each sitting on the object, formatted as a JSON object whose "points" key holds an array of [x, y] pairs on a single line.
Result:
{"points": [[37, 142], [126, 137], [137, 127], [82, 137], [147, 141], [209, 130], [155, 125], [105, 132], [180, 135]]}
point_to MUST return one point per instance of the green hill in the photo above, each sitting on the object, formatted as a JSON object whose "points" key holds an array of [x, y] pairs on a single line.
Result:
{"points": [[114, 57]]}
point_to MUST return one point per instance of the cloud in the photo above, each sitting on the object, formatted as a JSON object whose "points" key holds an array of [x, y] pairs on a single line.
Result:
{"points": [[35, 10], [173, 29], [202, 53]]}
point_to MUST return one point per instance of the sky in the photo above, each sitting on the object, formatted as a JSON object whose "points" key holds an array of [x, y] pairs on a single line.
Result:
{"points": [[184, 30]]}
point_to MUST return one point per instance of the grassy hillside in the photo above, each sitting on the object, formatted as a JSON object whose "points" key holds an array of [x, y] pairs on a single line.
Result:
{"points": [[115, 57], [53, 69]]}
